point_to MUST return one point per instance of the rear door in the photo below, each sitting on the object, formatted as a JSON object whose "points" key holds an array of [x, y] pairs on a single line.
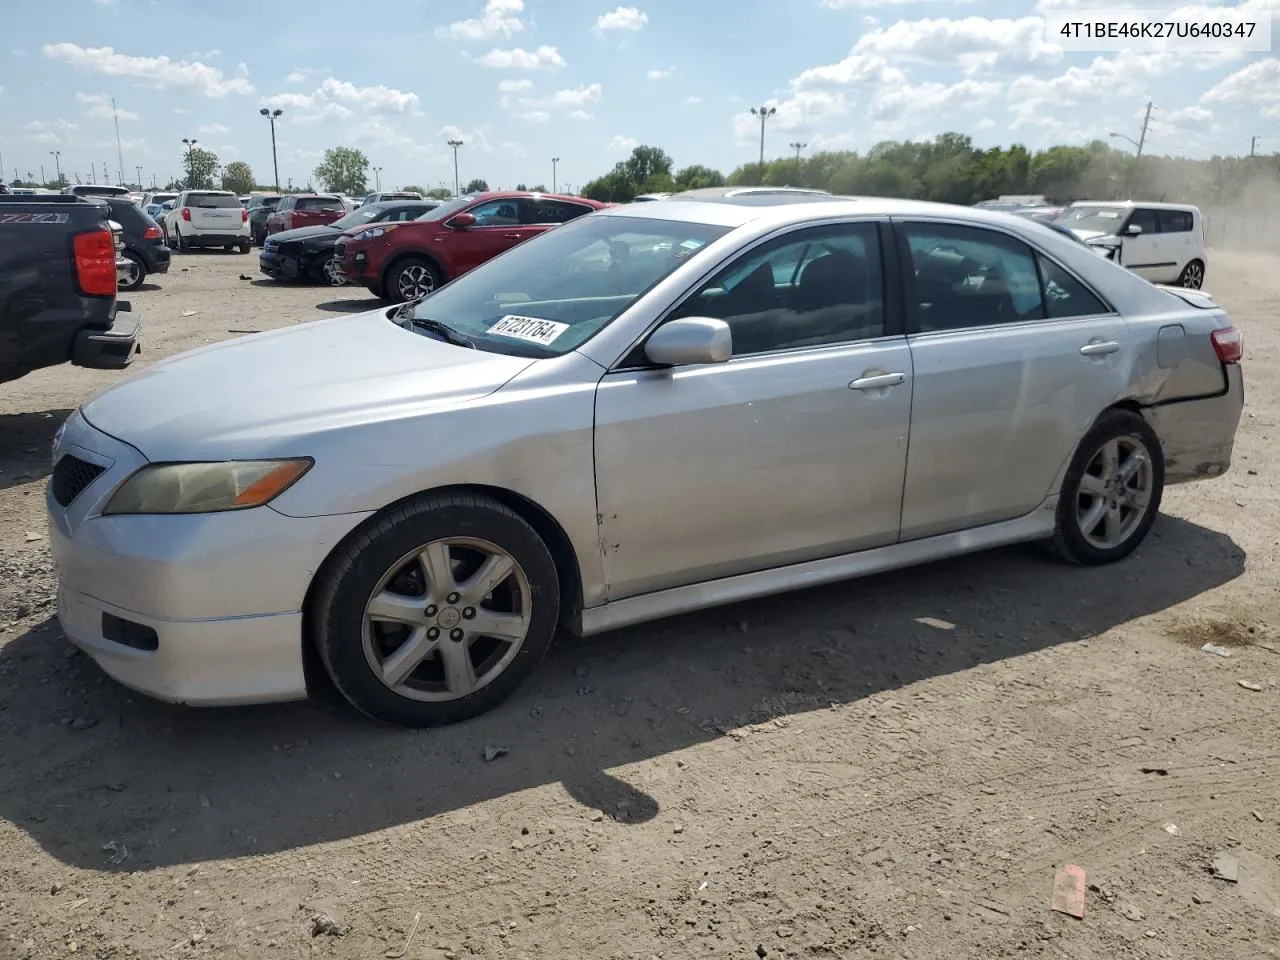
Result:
{"points": [[1176, 239], [214, 212], [1014, 357]]}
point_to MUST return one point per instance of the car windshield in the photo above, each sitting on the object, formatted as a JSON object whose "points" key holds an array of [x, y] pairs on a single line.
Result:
{"points": [[1099, 219], [551, 294], [448, 208], [212, 201], [366, 214]]}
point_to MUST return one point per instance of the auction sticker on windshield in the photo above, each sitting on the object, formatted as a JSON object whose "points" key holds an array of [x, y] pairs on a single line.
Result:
{"points": [[532, 329]]}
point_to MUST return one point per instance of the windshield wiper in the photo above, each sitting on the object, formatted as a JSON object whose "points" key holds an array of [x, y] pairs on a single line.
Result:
{"points": [[446, 332]]}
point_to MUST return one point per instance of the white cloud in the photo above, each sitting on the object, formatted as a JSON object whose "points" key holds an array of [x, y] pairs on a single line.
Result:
{"points": [[580, 115], [854, 70], [515, 86], [986, 123], [623, 18], [660, 73], [335, 99], [975, 43], [179, 110], [295, 76], [694, 100], [621, 144], [576, 97], [158, 72], [100, 108], [533, 116], [477, 139], [212, 128], [204, 55], [1257, 84], [50, 133], [520, 59], [804, 110], [499, 18], [897, 102], [1042, 102]]}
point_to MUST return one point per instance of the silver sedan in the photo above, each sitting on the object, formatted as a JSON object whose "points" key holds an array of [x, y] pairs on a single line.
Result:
{"points": [[653, 409]]}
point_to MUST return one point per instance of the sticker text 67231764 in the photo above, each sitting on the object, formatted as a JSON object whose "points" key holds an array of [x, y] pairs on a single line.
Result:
{"points": [[533, 329]]}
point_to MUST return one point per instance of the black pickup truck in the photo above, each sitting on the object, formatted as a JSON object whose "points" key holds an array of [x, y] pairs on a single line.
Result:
{"points": [[58, 283]]}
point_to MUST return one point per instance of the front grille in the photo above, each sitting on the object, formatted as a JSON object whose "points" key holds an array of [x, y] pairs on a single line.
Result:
{"points": [[70, 477]]}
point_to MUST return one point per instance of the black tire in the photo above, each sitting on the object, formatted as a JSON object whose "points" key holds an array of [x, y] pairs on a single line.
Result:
{"points": [[140, 272], [377, 291], [318, 271], [396, 280], [243, 246], [349, 577], [182, 246], [1069, 543], [1192, 275]]}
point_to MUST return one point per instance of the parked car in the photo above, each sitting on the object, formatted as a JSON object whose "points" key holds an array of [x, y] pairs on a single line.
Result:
{"points": [[307, 253], [95, 190], [650, 197], [455, 237], [152, 202], [58, 287], [144, 250], [261, 207], [305, 210], [391, 195], [206, 218], [1162, 242], [244, 201], [653, 409]]}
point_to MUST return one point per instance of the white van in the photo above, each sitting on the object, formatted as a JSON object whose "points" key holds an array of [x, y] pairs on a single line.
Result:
{"points": [[1162, 242]]}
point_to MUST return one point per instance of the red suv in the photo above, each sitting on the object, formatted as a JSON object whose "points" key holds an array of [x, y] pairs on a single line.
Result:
{"points": [[406, 261], [305, 210]]}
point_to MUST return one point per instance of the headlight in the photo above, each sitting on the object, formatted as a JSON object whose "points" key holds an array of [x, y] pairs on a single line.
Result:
{"points": [[377, 231], [205, 487]]}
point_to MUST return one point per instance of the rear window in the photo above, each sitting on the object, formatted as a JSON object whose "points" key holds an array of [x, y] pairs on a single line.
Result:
{"points": [[212, 201], [320, 203]]}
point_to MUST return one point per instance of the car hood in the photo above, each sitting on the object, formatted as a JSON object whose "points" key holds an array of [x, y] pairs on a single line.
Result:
{"points": [[1088, 235], [305, 233], [264, 394]]}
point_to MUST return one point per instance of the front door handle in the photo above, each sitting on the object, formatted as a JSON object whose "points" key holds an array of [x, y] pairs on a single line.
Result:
{"points": [[878, 382], [511, 236], [1099, 348]]}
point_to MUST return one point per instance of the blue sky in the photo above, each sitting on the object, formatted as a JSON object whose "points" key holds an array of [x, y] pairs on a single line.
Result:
{"points": [[522, 81]]}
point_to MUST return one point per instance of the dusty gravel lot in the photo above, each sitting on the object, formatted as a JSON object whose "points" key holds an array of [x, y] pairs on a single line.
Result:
{"points": [[820, 775]]}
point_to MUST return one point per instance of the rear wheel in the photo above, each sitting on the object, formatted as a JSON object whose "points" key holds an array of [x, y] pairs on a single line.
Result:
{"points": [[136, 273], [411, 279], [1112, 491], [1192, 275], [243, 246], [436, 611]]}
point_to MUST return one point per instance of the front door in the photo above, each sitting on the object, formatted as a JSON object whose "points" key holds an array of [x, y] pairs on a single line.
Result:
{"points": [[793, 450], [1147, 254], [1014, 358], [497, 228]]}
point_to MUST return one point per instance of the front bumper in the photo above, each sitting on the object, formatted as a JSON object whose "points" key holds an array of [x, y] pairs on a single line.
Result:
{"points": [[353, 270], [112, 348], [198, 609], [279, 266]]}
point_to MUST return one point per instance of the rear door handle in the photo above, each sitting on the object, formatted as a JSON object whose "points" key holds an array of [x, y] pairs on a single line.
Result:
{"points": [[1098, 348], [878, 382]]}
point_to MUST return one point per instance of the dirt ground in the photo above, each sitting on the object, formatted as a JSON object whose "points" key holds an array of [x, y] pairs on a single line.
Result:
{"points": [[893, 767]]}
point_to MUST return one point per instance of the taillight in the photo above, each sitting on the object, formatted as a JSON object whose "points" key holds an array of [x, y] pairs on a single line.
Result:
{"points": [[95, 254], [1228, 343], [244, 216], [152, 233], [186, 214]]}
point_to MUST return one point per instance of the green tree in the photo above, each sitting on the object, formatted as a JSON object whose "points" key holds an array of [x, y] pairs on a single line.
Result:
{"points": [[238, 177], [440, 193], [201, 165], [344, 170], [521, 186], [476, 186], [414, 188], [698, 177], [538, 188]]}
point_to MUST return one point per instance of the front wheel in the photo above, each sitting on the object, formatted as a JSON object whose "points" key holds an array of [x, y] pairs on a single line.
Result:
{"points": [[436, 611], [137, 272], [411, 279], [326, 271], [1192, 275], [1112, 491]]}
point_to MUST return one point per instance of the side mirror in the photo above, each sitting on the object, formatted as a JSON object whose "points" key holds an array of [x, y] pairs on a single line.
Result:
{"points": [[1132, 230], [690, 340], [462, 221]]}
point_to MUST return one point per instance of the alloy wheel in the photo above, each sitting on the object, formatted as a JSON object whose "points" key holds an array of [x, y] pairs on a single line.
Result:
{"points": [[132, 276], [331, 274], [1115, 492], [1193, 276], [447, 619], [415, 282]]}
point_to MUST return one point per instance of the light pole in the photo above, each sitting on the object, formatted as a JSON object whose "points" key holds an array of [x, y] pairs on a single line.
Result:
{"points": [[1139, 143], [43, 181], [377, 179], [797, 147], [273, 116], [457, 189], [1253, 146], [139, 172], [191, 143], [764, 113], [554, 182], [57, 164]]}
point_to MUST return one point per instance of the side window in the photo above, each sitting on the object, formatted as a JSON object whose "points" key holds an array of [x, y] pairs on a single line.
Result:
{"points": [[971, 277], [1146, 219], [496, 213], [1174, 221], [1065, 296], [831, 290], [404, 213], [542, 210]]}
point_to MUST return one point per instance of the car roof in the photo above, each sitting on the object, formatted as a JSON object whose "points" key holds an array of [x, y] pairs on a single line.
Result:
{"points": [[1128, 204], [516, 194], [220, 193]]}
